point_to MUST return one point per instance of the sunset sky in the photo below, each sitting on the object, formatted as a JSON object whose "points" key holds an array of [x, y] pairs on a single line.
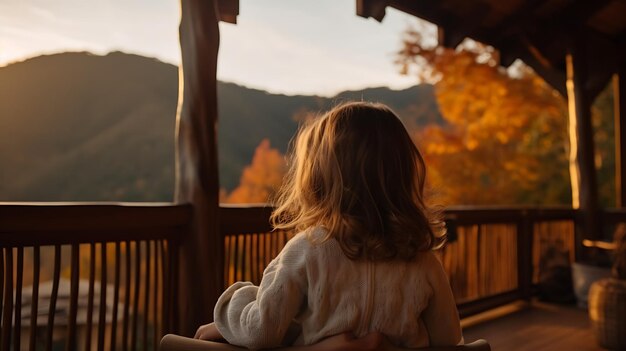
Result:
{"points": [[287, 46]]}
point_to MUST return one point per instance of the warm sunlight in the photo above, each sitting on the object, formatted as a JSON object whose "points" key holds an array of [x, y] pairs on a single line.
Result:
{"points": [[311, 175]]}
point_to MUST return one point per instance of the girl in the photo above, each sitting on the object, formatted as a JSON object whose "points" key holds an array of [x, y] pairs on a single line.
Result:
{"points": [[362, 261]]}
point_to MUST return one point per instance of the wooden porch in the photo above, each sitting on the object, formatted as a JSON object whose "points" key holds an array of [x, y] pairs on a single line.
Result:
{"points": [[536, 326]]}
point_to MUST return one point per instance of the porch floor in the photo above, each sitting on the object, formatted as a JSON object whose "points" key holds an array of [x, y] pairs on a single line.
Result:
{"points": [[537, 327]]}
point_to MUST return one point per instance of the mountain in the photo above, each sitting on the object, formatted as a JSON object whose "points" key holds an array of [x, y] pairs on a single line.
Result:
{"points": [[82, 127]]}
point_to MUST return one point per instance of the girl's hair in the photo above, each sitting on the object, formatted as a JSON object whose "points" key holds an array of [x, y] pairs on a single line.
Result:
{"points": [[356, 172]]}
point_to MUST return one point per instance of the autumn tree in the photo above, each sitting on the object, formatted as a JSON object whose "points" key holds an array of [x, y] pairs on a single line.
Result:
{"points": [[261, 178], [504, 137]]}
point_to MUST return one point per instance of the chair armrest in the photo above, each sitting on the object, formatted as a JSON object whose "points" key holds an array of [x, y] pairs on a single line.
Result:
{"points": [[171, 342], [478, 345]]}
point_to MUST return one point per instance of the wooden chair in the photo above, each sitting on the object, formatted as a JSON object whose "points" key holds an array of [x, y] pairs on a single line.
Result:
{"points": [[173, 342]]}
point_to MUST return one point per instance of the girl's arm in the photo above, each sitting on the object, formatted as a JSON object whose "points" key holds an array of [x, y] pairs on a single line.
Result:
{"points": [[259, 317], [441, 316], [208, 332]]}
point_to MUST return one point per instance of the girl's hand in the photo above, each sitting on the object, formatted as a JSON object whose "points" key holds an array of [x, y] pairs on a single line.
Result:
{"points": [[208, 332]]}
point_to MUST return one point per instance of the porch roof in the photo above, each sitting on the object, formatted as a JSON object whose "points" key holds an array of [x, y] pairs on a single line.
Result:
{"points": [[539, 32]]}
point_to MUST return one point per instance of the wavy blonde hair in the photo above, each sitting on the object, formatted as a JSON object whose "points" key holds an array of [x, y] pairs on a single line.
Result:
{"points": [[356, 172]]}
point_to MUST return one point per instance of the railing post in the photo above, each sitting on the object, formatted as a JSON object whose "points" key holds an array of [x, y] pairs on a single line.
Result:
{"points": [[619, 101], [524, 254], [201, 258]]}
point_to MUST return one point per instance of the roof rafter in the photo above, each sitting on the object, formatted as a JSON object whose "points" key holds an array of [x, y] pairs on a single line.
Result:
{"points": [[539, 32], [451, 34], [519, 18]]}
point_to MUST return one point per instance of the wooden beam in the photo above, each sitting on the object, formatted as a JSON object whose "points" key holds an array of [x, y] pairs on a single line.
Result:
{"points": [[452, 33], [581, 158], [371, 8], [452, 29], [543, 67], [603, 55], [85, 217], [201, 254], [523, 20], [620, 43], [228, 10], [619, 100], [430, 11], [599, 77], [525, 238], [249, 218], [549, 37], [579, 12], [549, 50], [552, 34], [514, 23]]}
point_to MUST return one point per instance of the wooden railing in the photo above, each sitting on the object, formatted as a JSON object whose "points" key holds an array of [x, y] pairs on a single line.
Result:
{"points": [[102, 276], [88, 276], [492, 256], [502, 250]]}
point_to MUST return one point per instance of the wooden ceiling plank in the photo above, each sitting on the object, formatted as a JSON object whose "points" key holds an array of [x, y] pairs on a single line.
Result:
{"points": [[511, 24], [576, 12], [580, 11]]}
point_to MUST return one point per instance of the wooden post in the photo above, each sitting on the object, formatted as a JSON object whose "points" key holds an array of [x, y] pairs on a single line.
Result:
{"points": [[581, 158], [200, 266], [619, 99], [525, 238]]}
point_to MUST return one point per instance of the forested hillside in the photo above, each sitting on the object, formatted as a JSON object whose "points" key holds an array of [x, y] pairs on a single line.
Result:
{"points": [[82, 127]]}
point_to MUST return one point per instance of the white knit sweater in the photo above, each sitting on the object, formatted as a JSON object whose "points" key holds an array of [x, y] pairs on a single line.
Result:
{"points": [[318, 289]]}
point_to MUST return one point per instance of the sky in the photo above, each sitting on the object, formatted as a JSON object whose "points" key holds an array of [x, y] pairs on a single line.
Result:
{"points": [[284, 46]]}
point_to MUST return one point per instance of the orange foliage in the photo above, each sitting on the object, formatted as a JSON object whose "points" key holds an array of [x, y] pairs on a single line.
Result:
{"points": [[504, 140], [261, 178]]}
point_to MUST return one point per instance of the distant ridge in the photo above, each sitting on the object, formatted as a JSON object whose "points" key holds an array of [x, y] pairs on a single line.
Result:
{"points": [[84, 127]]}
